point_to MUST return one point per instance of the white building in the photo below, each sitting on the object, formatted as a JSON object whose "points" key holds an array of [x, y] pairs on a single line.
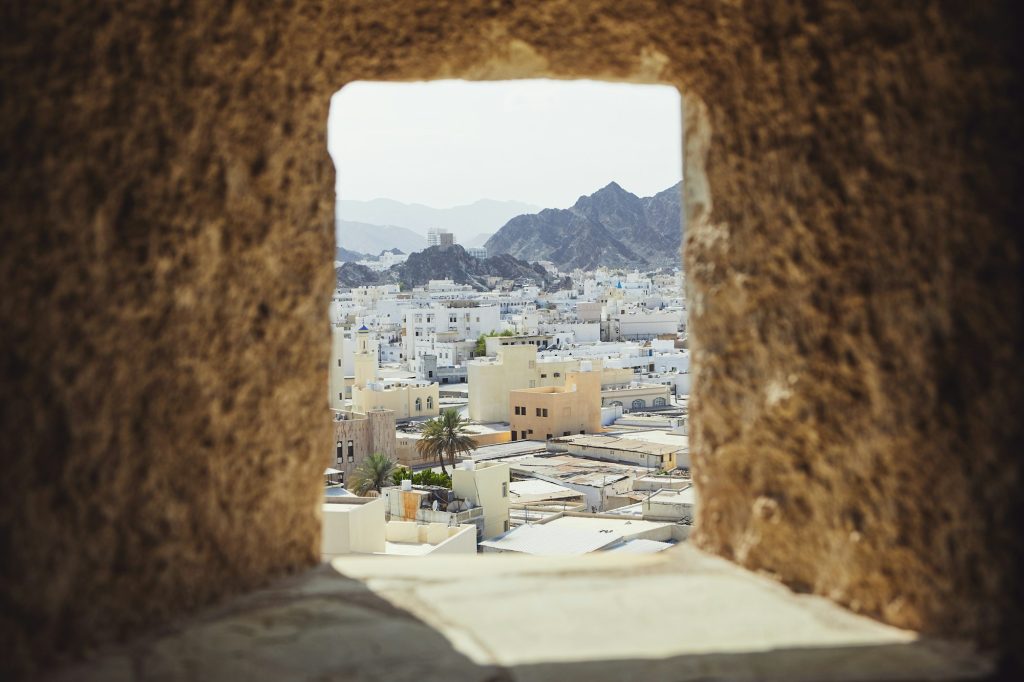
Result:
{"points": [[572, 534], [435, 320], [356, 525]]}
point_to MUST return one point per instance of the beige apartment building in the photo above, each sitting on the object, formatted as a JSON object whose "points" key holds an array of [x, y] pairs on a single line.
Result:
{"points": [[491, 379], [406, 399], [549, 412], [516, 367]]}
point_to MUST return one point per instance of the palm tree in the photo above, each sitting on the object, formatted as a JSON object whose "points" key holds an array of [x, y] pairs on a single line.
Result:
{"points": [[445, 437], [373, 473]]}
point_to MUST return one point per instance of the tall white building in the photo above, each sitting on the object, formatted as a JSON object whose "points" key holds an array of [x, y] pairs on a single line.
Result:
{"points": [[439, 237]]}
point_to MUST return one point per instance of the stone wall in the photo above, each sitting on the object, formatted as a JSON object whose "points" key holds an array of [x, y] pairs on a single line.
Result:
{"points": [[167, 207]]}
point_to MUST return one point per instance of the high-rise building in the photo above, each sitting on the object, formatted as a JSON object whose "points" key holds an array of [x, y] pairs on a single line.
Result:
{"points": [[439, 237]]}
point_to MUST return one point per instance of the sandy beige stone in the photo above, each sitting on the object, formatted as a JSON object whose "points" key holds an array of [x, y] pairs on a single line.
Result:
{"points": [[166, 200]]}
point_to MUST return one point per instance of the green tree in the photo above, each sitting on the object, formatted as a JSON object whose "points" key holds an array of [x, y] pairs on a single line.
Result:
{"points": [[373, 473], [445, 437], [425, 477], [481, 341]]}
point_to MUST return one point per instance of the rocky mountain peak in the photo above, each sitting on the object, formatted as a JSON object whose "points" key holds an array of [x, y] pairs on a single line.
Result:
{"points": [[610, 227]]}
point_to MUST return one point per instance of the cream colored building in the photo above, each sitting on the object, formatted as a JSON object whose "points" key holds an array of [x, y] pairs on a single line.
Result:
{"points": [[517, 367], [357, 525], [491, 379], [636, 396], [552, 411], [479, 496], [482, 435], [406, 399], [485, 484]]}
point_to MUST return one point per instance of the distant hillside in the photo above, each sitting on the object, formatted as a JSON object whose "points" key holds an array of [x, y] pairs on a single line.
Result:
{"points": [[351, 275], [610, 227], [367, 238], [344, 255], [478, 240], [446, 263], [466, 222]]}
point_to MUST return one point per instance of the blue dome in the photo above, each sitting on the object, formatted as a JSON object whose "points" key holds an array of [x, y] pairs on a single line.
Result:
{"points": [[363, 329]]}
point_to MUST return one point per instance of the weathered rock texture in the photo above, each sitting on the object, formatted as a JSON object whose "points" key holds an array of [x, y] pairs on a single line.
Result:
{"points": [[166, 202]]}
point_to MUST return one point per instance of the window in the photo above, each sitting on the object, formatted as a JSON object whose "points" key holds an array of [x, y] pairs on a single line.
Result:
{"points": [[547, 437], [514, 436], [531, 432], [659, 402], [545, 411], [419, 404], [504, 489], [538, 411], [557, 374], [565, 433], [339, 362], [430, 402], [522, 435], [340, 455], [351, 452], [638, 404], [543, 376]]}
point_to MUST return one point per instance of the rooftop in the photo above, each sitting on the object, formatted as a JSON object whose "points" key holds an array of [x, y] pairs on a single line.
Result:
{"points": [[549, 540], [535, 489], [628, 442], [576, 470], [641, 546]]}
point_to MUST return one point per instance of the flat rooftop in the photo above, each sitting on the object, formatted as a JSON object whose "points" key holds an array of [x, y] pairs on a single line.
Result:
{"points": [[509, 449], [575, 470], [535, 489], [627, 442]]}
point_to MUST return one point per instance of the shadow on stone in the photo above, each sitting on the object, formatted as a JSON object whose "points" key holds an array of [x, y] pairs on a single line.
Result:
{"points": [[322, 625]]}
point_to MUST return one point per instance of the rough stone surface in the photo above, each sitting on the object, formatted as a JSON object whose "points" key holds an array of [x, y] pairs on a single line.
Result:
{"points": [[596, 618], [166, 202]]}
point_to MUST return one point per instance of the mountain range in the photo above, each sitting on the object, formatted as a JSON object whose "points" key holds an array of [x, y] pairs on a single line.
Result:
{"points": [[439, 262], [466, 222], [610, 227], [374, 238]]}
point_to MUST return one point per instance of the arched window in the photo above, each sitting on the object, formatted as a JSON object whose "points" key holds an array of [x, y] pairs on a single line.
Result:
{"points": [[419, 404], [660, 402], [430, 402], [615, 403], [638, 404]]}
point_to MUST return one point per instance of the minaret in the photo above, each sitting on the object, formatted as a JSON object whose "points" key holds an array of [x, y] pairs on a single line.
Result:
{"points": [[336, 374], [365, 357]]}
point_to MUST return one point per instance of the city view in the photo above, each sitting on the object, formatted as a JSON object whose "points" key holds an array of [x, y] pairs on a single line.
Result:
{"points": [[509, 373]]}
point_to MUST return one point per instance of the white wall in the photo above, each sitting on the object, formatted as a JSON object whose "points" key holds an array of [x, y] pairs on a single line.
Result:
{"points": [[352, 528]]}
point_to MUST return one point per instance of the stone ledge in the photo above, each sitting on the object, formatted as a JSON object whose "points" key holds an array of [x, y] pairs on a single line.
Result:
{"points": [[676, 615]]}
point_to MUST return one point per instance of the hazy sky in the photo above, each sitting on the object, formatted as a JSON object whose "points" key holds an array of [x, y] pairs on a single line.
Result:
{"points": [[446, 143]]}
